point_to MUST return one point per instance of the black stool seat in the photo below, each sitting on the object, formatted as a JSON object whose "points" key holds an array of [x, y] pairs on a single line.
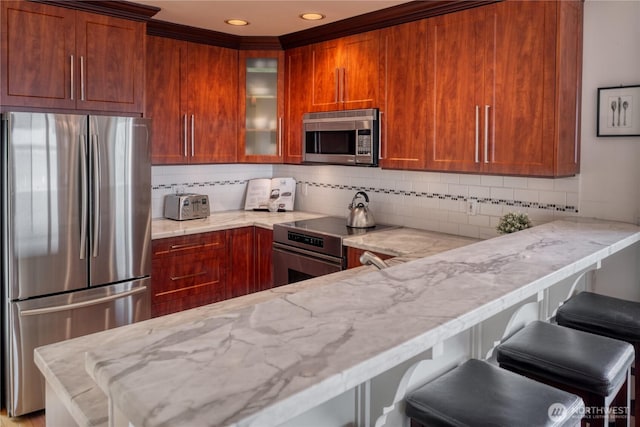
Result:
{"points": [[602, 315], [578, 359], [477, 393]]}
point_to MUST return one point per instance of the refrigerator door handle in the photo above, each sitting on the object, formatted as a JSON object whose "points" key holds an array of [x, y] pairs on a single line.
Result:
{"points": [[73, 306], [96, 194], [84, 195]]}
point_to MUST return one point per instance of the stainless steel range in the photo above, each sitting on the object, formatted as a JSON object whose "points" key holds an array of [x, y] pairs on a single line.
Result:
{"points": [[311, 248]]}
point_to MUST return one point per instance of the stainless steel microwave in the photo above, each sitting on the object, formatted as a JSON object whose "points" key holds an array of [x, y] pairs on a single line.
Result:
{"points": [[348, 137]]}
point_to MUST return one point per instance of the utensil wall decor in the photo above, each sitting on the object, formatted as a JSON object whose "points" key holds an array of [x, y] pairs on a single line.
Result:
{"points": [[619, 111]]}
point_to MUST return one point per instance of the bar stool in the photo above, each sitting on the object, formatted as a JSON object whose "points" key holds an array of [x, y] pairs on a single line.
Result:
{"points": [[607, 316], [477, 393], [594, 367]]}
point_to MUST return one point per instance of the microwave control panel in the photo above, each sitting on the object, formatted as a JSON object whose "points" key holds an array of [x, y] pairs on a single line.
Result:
{"points": [[363, 146]]}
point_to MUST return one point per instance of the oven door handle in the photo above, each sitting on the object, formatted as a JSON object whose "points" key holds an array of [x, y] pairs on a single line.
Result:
{"points": [[299, 251]]}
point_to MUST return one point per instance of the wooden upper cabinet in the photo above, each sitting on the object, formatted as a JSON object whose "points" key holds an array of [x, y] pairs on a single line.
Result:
{"points": [[298, 100], [520, 89], [55, 57], [165, 61], [36, 66], [455, 69], [403, 140], [192, 101], [111, 59], [503, 99], [212, 81], [346, 73], [261, 106]]}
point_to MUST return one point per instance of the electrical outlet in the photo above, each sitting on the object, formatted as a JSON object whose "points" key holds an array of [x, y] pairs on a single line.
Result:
{"points": [[472, 207]]}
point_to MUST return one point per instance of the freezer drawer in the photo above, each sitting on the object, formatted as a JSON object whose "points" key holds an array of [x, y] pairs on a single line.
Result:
{"points": [[56, 318]]}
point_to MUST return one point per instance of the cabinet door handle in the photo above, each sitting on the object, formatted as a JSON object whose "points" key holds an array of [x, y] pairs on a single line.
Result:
{"points": [[184, 138], [279, 136], [486, 133], [193, 127], [72, 77], [477, 133], [188, 276], [343, 84], [336, 83], [81, 78]]}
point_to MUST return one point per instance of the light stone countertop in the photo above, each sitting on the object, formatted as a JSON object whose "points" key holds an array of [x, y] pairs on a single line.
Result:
{"points": [[408, 243], [267, 357], [88, 404], [161, 228]]}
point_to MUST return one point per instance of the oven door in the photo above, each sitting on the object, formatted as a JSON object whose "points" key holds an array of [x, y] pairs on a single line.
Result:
{"points": [[292, 265]]}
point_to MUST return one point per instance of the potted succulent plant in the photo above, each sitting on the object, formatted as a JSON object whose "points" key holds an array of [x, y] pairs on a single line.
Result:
{"points": [[513, 221]]}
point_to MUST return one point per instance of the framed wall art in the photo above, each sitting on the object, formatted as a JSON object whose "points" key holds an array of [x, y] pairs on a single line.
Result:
{"points": [[619, 111]]}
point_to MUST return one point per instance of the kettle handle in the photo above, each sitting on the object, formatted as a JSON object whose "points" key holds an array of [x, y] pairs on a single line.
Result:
{"points": [[366, 198]]}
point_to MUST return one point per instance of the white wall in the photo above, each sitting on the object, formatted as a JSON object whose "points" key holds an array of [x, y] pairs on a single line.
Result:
{"points": [[610, 176], [610, 167]]}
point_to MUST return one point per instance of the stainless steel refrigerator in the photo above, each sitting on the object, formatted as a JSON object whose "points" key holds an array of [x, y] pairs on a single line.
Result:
{"points": [[76, 233]]}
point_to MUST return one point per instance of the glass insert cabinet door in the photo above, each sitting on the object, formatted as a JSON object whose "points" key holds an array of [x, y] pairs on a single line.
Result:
{"points": [[263, 119]]}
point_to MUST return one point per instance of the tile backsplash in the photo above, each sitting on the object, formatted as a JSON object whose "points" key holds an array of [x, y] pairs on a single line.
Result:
{"points": [[431, 200], [425, 200], [224, 184]]}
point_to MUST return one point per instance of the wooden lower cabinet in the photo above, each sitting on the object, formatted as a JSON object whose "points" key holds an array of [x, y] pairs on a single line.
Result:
{"points": [[353, 256], [198, 269], [188, 271], [241, 274], [264, 259]]}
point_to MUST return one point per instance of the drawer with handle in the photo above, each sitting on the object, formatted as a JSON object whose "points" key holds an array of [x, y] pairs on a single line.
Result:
{"points": [[183, 245]]}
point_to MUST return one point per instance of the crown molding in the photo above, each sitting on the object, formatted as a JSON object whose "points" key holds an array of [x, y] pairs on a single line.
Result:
{"points": [[400, 14], [116, 8], [215, 38], [395, 15]]}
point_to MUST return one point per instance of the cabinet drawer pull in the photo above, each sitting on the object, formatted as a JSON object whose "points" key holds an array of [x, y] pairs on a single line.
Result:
{"points": [[188, 276], [186, 246]]}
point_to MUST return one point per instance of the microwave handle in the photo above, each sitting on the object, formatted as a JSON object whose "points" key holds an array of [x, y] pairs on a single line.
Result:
{"points": [[380, 157]]}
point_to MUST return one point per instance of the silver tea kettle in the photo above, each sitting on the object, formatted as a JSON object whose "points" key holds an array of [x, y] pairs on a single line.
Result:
{"points": [[359, 214]]}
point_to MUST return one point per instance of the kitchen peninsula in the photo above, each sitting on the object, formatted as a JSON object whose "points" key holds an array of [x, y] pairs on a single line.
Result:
{"points": [[267, 358]]}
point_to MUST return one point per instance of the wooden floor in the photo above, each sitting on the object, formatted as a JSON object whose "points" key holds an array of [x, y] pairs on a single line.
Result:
{"points": [[32, 420]]}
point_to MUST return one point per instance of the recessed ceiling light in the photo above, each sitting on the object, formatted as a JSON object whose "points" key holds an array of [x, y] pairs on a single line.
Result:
{"points": [[312, 16], [237, 22]]}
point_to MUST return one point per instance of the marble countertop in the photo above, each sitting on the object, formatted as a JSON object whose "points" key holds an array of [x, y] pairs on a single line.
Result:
{"points": [[87, 403], [161, 228], [408, 243], [267, 357]]}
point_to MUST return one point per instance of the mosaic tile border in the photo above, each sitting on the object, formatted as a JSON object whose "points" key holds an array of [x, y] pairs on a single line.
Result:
{"points": [[453, 197], [199, 184]]}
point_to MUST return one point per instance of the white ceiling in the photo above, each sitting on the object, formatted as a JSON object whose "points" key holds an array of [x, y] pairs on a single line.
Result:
{"points": [[266, 17]]}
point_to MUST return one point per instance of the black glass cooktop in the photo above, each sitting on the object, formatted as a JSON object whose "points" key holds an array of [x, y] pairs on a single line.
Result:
{"points": [[335, 226]]}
